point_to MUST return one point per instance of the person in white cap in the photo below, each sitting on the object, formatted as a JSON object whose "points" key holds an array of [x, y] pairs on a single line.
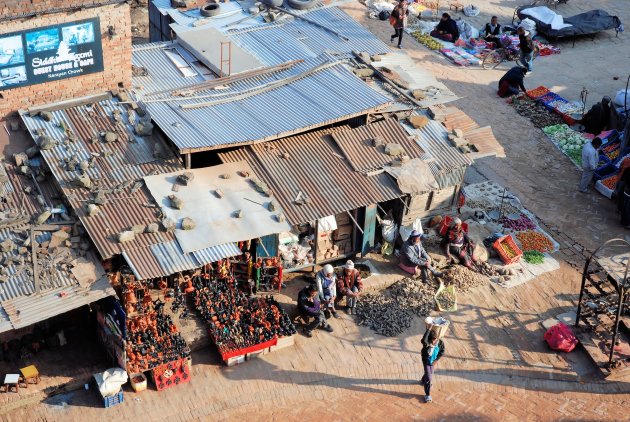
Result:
{"points": [[456, 242], [526, 46], [349, 285], [327, 287], [414, 259]]}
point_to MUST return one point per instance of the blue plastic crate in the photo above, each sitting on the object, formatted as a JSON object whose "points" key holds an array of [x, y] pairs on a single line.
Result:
{"points": [[113, 400]]}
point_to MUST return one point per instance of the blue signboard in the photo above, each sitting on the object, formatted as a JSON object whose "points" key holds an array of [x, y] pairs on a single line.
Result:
{"points": [[47, 54]]}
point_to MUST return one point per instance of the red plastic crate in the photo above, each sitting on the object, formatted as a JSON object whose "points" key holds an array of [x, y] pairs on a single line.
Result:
{"points": [[510, 242], [446, 223], [537, 92]]}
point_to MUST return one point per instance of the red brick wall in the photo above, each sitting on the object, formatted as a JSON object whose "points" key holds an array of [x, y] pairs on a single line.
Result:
{"points": [[19, 7], [116, 53]]}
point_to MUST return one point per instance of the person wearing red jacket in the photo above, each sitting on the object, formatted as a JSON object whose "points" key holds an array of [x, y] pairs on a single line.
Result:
{"points": [[350, 285]]}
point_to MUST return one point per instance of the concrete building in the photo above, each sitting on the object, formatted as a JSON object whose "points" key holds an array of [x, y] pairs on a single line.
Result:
{"points": [[53, 50]]}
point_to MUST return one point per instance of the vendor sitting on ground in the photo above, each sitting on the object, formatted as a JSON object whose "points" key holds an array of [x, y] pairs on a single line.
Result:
{"points": [[350, 285], [512, 82], [414, 259], [493, 31], [456, 242], [602, 116], [447, 29], [310, 307], [327, 287]]}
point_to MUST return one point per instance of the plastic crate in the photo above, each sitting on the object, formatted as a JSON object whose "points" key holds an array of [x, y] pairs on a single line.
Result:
{"points": [[537, 92], [113, 400], [510, 242], [446, 223]]}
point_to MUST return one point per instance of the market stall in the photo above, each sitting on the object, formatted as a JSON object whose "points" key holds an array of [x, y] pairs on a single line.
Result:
{"points": [[241, 326], [153, 342]]}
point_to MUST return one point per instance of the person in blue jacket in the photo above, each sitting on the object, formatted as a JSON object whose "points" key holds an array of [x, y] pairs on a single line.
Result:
{"points": [[432, 351]]}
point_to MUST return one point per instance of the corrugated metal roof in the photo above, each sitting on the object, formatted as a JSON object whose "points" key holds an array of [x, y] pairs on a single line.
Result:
{"points": [[168, 258], [20, 306], [315, 170], [27, 310], [187, 19], [116, 168], [357, 144], [417, 78], [162, 72], [440, 154], [298, 39], [318, 99]]}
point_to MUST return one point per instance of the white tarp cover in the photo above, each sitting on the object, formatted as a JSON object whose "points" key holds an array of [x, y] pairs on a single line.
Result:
{"points": [[546, 15], [214, 216], [414, 177], [110, 381]]}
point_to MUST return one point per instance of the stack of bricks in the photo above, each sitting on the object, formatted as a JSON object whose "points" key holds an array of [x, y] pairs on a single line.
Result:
{"points": [[116, 49]]}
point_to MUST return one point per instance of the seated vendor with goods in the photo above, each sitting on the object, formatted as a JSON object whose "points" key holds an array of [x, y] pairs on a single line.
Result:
{"points": [[602, 116], [414, 259], [310, 307], [327, 286], [456, 242], [350, 286], [493, 32], [512, 82], [447, 29]]}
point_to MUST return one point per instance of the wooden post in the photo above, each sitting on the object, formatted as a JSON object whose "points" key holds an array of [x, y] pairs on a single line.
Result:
{"points": [[188, 159]]}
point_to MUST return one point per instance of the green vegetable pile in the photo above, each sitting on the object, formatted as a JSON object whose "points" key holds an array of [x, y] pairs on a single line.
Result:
{"points": [[569, 141], [533, 257]]}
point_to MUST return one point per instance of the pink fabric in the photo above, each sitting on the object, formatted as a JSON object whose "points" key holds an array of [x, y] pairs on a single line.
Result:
{"points": [[410, 270]]}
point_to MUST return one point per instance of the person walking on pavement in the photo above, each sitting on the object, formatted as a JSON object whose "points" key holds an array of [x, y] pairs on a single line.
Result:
{"points": [[327, 287], [309, 306], [398, 19], [527, 48], [432, 351], [590, 159], [350, 285]]}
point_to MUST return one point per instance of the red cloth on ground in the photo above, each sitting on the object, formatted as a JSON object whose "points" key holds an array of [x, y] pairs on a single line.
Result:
{"points": [[560, 337]]}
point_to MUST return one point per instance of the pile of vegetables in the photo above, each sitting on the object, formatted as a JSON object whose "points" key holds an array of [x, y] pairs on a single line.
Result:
{"points": [[569, 141], [611, 182], [533, 257], [534, 241], [427, 40], [535, 111], [520, 224]]}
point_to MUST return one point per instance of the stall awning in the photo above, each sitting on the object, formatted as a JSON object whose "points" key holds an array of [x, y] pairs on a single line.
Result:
{"points": [[168, 258]]}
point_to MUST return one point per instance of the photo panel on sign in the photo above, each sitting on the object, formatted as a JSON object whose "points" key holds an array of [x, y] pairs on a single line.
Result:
{"points": [[44, 40], [11, 50], [78, 34], [12, 76]]}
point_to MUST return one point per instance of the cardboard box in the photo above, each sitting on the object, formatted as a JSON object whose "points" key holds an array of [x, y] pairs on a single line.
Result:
{"points": [[235, 360], [342, 219], [254, 355]]}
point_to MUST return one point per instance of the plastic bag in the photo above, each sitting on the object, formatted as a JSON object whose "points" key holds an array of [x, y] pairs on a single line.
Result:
{"points": [[471, 10], [621, 98], [388, 230], [560, 337], [387, 249], [446, 298]]}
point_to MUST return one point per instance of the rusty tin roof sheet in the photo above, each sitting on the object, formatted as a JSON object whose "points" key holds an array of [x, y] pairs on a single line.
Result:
{"points": [[358, 144], [314, 169]]}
